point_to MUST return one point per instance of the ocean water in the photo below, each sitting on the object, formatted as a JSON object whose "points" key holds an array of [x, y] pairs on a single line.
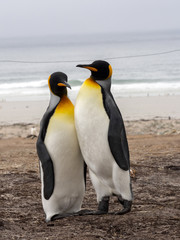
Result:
{"points": [[133, 73]]}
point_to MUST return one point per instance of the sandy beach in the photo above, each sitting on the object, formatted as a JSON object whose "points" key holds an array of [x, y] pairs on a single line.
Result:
{"points": [[142, 115], [134, 108], [153, 129]]}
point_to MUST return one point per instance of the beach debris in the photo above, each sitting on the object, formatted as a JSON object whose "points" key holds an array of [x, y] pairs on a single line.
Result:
{"points": [[1, 224], [33, 131], [172, 167], [31, 136], [132, 173]]}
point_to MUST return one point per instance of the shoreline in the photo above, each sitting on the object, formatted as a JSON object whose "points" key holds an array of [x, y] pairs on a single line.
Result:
{"points": [[132, 108], [142, 116]]}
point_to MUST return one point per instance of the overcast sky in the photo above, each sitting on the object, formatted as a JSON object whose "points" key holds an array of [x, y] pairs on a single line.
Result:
{"points": [[46, 17]]}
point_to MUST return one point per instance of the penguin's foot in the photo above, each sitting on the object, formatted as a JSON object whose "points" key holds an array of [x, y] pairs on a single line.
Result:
{"points": [[60, 216], [83, 212], [64, 215], [103, 208], [91, 212], [98, 212], [127, 207]]}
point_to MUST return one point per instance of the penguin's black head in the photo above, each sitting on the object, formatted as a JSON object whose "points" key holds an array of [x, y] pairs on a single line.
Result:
{"points": [[100, 70], [57, 83]]}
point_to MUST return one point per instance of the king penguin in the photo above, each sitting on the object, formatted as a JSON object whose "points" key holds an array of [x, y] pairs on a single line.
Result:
{"points": [[102, 138], [61, 162]]}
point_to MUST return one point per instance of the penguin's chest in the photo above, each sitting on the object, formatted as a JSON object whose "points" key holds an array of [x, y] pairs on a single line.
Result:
{"points": [[92, 125], [58, 136], [61, 140]]}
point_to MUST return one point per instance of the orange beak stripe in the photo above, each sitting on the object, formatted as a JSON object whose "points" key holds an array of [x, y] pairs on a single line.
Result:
{"points": [[61, 85], [92, 69]]}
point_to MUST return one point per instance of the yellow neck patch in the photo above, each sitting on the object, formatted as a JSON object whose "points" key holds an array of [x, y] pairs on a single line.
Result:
{"points": [[89, 90], [65, 107], [91, 83]]}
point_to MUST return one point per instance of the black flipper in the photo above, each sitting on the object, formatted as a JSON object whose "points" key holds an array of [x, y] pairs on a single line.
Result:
{"points": [[46, 161], [116, 132]]}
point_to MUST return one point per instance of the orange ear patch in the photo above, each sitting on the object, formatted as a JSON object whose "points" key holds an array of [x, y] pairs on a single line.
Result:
{"points": [[110, 72]]}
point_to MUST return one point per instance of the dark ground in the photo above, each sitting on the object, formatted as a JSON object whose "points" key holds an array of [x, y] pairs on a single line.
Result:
{"points": [[156, 208]]}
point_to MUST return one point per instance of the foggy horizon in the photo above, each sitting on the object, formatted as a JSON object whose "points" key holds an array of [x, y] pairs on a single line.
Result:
{"points": [[23, 19]]}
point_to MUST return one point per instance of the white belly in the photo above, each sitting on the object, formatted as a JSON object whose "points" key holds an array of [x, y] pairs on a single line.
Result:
{"points": [[92, 125], [61, 142]]}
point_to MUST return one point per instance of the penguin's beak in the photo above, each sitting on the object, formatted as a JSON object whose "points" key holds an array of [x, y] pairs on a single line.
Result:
{"points": [[64, 84], [87, 67]]}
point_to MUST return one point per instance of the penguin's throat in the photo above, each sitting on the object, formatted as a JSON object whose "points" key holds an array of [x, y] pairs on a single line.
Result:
{"points": [[90, 82], [65, 107]]}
